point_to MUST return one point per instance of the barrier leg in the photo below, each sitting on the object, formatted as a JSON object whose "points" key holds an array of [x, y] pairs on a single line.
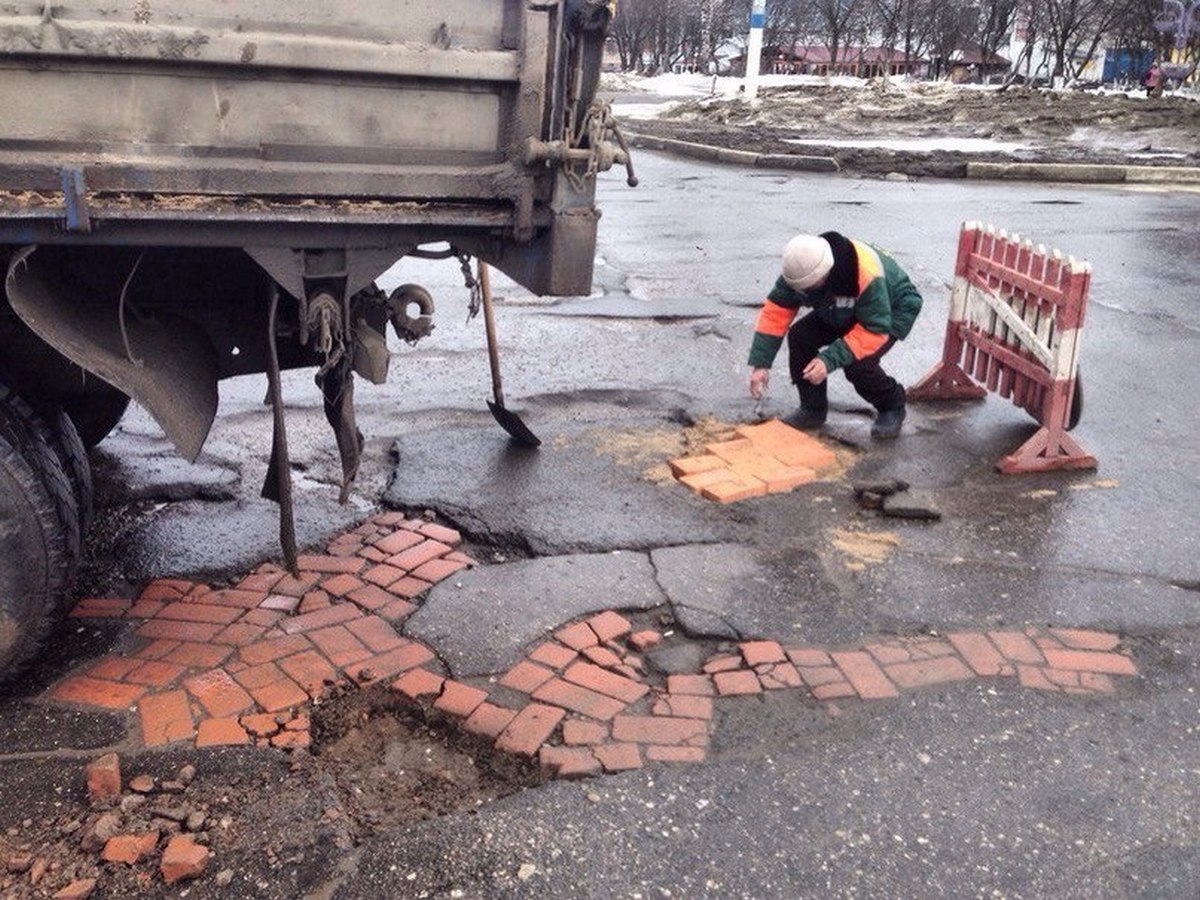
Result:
{"points": [[947, 380], [1047, 451]]}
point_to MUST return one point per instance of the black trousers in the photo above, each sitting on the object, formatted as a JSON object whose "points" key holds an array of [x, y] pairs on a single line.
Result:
{"points": [[807, 336]]}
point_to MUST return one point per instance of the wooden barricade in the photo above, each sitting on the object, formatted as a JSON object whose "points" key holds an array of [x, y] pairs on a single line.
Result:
{"points": [[1015, 317]]}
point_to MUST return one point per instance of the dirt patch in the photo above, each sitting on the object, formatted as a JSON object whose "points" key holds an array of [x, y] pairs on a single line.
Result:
{"points": [[651, 448], [390, 765], [863, 548], [1035, 125]]}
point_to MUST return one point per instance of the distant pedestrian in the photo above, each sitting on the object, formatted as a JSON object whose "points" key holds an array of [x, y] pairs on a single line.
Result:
{"points": [[1153, 81], [861, 303]]}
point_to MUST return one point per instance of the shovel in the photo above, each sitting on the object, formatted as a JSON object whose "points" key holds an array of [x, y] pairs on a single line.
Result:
{"points": [[508, 419]]}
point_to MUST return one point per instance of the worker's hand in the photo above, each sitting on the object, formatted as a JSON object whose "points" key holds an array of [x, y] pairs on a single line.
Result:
{"points": [[759, 379], [815, 372]]}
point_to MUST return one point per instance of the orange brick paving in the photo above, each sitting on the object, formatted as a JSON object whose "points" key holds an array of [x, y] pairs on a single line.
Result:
{"points": [[240, 665], [767, 458]]}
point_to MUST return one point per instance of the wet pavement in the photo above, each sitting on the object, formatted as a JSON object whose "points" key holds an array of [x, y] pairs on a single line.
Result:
{"points": [[959, 781]]}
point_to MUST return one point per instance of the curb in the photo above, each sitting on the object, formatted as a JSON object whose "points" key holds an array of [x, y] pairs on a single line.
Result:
{"points": [[1080, 173]]}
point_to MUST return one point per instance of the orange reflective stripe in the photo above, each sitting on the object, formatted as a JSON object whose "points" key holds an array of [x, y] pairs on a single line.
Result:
{"points": [[870, 266], [863, 343], [774, 319]]}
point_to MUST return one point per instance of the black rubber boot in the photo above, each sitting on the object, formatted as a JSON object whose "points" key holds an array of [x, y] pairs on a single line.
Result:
{"points": [[806, 418], [887, 423]]}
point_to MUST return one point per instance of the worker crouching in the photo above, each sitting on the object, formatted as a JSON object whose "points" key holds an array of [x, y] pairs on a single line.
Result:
{"points": [[861, 303]]}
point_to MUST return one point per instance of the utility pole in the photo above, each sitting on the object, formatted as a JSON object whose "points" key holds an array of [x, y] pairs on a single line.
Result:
{"points": [[754, 46]]}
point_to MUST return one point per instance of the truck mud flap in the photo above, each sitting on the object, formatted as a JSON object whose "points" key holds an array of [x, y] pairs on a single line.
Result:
{"points": [[162, 361]]}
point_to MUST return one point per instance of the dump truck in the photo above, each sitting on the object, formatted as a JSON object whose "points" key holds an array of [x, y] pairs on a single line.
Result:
{"points": [[202, 189]]}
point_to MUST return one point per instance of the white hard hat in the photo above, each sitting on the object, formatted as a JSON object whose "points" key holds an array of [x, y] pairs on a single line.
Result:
{"points": [[807, 260]]}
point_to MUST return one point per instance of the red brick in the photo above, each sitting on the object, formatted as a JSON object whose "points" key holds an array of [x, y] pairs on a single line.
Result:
{"points": [[156, 649], [833, 690], [417, 556], [390, 519], [370, 596], [1094, 681], [526, 677], [322, 618], [569, 762], [235, 597], [1062, 677], [695, 465], [980, 653], [1034, 677], [819, 675], [928, 648], [437, 569], [311, 671], [609, 625], [441, 533], [740, 488], [675, 754], [776, 676], [807, 656], [339, 645], [701, 481], [165, 590], [375, 633], [406, 656], [409, 588], [341, 585], [171, 630], [417, 683], [658, 730], [602, 681], [372, 555], [553, 655], [130, 849], [888, 653], [144, 609], [239, 634], [97, 692], [267, 651], [602, 656], [397, 611], [644, 640], [218, 693], [263, 617], [100, 607], [291, 740], [280, 603], [577, 636], [734, 683], [398, 542], [699, 685], [723, 663], [1087, 661], [863, 673], [1017, 647], [577, 732], [459, 699], [104, 778], [684, 706], [578, 699], [383, 574], [258, 676], [183, 858], [312, 601], [199, 612], [489, 720], [260, 582], [220, 733], [279, 695], [165, 717], [769, 436], [529, 729], [1081, 639], [329, 564], [459, 556], [260, 724], [758, 652], [805, 451], [928, 671], [618, 757], [113, 668], [155, 673], [736, 450], [296, 587]]}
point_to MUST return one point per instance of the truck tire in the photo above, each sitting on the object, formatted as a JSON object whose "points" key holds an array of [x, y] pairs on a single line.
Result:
{"points": [[39, 534], [72, 456], [96, 414]]}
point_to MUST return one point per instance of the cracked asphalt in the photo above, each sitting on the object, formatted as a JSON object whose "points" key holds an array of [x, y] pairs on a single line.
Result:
{"points": [[962, 790]]}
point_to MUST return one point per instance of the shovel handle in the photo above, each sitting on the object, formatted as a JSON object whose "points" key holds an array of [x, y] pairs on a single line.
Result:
{"points": [[489, 324]]}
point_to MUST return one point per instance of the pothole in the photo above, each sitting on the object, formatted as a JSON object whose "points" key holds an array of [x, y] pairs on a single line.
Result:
{"points": [[392, 765]]}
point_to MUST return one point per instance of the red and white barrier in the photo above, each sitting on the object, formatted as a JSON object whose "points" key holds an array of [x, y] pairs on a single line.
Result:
{"points": [[1015, 317]]}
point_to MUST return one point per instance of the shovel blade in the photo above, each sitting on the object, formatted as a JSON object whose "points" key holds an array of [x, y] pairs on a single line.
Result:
{"points": [[512, 423]]}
